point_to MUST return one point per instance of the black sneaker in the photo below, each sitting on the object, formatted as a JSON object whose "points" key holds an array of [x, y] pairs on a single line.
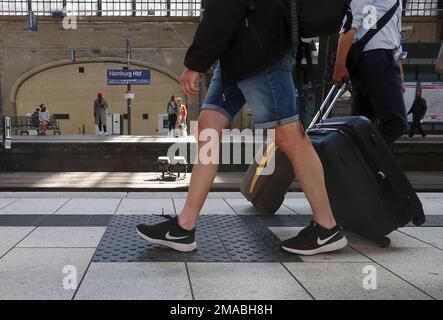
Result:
{"points": [[315, 239], [169, 234]]}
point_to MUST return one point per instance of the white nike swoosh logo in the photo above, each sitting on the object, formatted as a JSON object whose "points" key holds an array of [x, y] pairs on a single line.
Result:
{"points": [[322, 242], [169, 237]]}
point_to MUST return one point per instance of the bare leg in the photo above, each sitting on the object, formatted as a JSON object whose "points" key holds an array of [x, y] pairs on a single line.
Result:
{"points": [[308, 169], [203, 175]]}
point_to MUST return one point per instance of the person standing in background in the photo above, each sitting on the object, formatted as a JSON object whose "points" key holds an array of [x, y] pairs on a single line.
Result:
{"points": [[182, 116], [172, 111], [418, 110], [43, 118], [100, 106]]}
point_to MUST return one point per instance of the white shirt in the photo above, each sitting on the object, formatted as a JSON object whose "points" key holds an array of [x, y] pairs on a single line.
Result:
{"points": [[390, 36], [43, 116]]}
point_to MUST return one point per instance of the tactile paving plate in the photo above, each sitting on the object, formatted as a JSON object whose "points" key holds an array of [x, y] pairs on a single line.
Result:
{"points": [[219, 239]]}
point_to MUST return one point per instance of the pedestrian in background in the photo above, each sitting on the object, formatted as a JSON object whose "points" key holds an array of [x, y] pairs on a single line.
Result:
{"points": [[100, 106], [418, 110], [172, 111], [182, 116], [43, 118]]}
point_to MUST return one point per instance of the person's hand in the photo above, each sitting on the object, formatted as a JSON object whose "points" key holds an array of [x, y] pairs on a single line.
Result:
{"points": [[341, 74], [188, 82]]}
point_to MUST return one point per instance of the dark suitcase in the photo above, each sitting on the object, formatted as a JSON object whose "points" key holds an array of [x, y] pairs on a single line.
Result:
{"points": [[369, 192]]}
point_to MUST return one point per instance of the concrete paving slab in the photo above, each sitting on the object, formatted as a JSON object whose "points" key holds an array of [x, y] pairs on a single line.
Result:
{"points": [[154, 195], [432, 207], [34, 206], [6, 201], [135, 281], [6, 194], [211, 207], [429, 195], [439, 200], [38, 274], [244, 207], [64, 237], [430, 235], [346, 255], [295, 195], [398, 240], [222, 195], [64, 194], [422, 267], [146, 206], [90, 206], [299, 205], [183, 195], [345, 281], [244, 281], [10, 236]]}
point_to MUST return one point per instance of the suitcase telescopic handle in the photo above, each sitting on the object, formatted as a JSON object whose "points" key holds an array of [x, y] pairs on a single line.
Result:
{"points": [[328, 104]]}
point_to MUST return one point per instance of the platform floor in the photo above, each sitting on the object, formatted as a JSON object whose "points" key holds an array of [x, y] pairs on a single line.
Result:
{"points": [[66, 245], [150, 181]]}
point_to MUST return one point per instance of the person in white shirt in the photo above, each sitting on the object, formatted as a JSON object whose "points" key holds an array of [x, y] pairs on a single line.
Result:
{"points": [[377, 78], [43, 118]]}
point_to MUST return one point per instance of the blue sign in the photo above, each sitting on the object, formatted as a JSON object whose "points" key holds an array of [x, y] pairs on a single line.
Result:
{"points": [[125, 77]]}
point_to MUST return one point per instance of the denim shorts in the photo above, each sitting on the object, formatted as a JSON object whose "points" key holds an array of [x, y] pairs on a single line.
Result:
{"points": [[270, 94]]}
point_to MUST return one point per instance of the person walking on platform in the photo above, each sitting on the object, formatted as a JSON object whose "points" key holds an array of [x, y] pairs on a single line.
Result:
{"points": [[377, 79], [100, 106], [418, 111], [172, 110], [255, 53]]}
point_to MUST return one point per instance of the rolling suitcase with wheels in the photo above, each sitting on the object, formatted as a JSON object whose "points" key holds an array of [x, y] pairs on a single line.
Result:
{"points": [[369, 192]]}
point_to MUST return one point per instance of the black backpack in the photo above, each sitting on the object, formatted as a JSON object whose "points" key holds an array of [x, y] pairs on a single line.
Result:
{"points": [[314, 18]]}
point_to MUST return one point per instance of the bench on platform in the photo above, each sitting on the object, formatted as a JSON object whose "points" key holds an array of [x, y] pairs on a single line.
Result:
{"points": [[23, 125]]}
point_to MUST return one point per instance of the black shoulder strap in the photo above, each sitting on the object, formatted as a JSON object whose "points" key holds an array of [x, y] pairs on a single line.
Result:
{"points": [[380, 23]]}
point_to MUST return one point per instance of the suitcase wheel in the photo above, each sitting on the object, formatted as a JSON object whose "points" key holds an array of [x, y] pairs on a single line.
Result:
{"points": [[384, 242], [418, 220]]}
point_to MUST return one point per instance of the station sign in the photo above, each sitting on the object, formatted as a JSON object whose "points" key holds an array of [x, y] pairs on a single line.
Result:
{"points": [[116, 77]]}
